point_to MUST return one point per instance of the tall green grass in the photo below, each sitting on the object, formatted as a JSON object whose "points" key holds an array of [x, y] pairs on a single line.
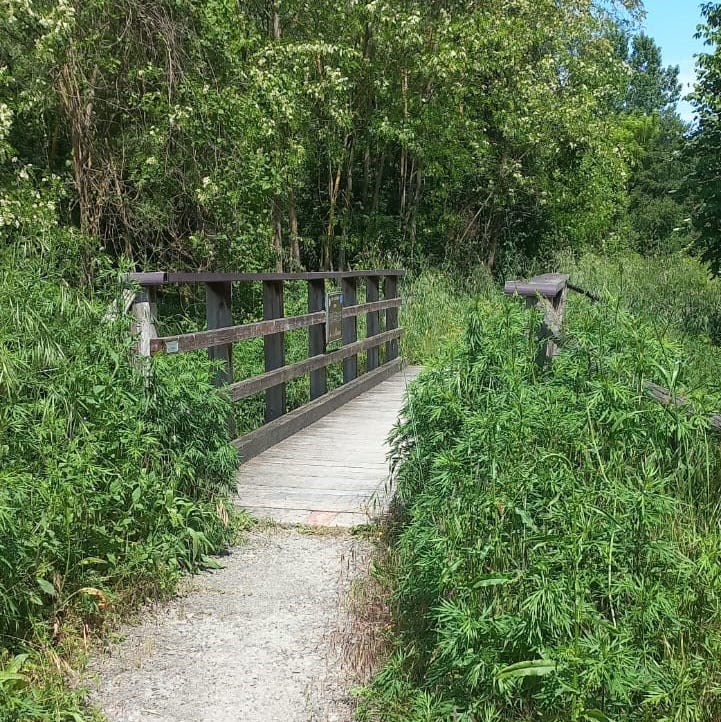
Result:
{"points": [[558, 556], [112, 482], [676, 294], [434, 308]]}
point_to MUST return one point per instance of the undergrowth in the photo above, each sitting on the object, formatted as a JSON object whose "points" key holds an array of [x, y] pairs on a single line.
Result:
{"points": [[558, 556], [674, 293], [113, 482], [434, 307]]}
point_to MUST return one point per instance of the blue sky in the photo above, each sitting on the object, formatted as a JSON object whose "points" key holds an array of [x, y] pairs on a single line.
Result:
{"points": [[672, 23]]}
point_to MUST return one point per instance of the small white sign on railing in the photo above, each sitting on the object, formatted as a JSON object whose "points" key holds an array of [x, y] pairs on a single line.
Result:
{"points": [[333, 317]]}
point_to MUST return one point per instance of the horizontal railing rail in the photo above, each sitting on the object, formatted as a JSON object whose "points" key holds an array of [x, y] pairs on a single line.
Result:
{"points": [[160, 278], [208, 339], [380, 343]]}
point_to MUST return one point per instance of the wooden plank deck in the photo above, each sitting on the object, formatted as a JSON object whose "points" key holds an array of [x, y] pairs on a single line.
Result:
{"points": [[335, 471]]}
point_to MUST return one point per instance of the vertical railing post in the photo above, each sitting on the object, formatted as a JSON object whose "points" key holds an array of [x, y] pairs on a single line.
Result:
{"points": [[390, 290], [549, 291], [349, 288], [274, 348], [219, 314], [372, 321], [316, 337], [145, 310]]}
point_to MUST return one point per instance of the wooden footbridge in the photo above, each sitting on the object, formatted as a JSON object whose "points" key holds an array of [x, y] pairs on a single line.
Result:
{"points": [[323, 463]]}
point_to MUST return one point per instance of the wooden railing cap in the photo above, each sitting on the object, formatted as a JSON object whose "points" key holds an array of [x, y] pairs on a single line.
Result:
{"points": [[548, 285], [160, 278]]}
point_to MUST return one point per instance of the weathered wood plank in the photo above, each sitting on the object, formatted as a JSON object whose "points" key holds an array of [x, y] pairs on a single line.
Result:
{"points": [[271, 379], [159, 278], [381, 305], [258, 441], [218, 314], [349, 288], [316, 338], [233, 334], [665, 397], [548, 285], [143, 326], [372, 320], [274, 349], [299, 479], [391, 292]]}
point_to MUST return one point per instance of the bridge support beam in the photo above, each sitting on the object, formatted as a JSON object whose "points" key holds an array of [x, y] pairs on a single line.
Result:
{"points": [[219, 314], [349, 287], [390, 290], [373, 325]]}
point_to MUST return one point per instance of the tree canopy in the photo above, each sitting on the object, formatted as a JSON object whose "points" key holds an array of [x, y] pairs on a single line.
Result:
{"points": [[287, 133]]}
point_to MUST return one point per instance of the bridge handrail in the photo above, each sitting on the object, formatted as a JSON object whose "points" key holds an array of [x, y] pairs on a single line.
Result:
{"points": [[221, 334]]}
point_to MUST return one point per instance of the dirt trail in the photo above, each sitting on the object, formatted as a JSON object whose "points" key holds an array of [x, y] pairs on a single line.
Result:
{"points": [[248, 643]]}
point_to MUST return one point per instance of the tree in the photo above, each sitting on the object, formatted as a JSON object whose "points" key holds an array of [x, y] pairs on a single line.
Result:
{"points": [[652, 87], [706, 141]]}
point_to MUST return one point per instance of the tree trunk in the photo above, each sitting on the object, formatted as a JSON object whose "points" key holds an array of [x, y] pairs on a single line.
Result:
{"points": [[333, 186], [414, 211], [379, 183], [277, 221], [366, 177], [294, 242], [275, 20]]}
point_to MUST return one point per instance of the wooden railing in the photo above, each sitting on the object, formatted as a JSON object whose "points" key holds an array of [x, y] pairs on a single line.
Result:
{"points": [[221, 334]]}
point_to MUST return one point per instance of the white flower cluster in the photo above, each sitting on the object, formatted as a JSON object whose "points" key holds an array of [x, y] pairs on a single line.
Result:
{"points": [[6, 120], [22, 204], [57, 25], [14, 9]]}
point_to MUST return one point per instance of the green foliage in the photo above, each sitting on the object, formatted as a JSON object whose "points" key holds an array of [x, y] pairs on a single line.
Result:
{"points": [[706, 142], [676, 294], [660, 199], [652, 88], [434, 309], [242, 135], [112, 482], [559, 551]]}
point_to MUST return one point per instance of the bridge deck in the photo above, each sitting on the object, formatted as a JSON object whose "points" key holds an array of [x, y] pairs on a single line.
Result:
{"points": [[335, 471]]}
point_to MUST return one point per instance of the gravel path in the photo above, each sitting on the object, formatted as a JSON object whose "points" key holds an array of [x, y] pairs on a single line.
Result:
{"points": [[249, 643]]}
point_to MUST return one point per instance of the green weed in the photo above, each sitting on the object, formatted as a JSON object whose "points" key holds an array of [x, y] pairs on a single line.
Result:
{"points": [[434, 309], [558, 556], [112, 482]]}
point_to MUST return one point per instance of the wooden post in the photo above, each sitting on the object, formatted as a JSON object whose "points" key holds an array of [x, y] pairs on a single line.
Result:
{"points": [[274, 348], [548, 290], [316, 338], [219, 314], [372, 321], [390, 287], [349, 287], [144, 310]]}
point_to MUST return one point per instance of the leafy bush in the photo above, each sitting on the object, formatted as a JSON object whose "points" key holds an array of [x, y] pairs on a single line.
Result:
{"points": [[559, 554], [112, 482]]}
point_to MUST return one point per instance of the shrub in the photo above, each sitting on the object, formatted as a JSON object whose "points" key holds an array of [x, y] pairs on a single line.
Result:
{"points": [[111, 482], [558, 557]]}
